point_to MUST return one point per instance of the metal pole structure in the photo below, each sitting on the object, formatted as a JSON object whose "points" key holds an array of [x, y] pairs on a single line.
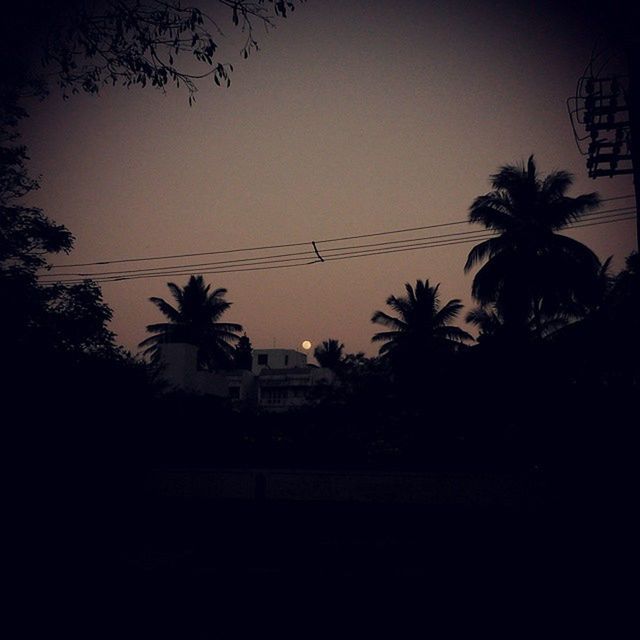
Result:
{"points": [[634, 120]]}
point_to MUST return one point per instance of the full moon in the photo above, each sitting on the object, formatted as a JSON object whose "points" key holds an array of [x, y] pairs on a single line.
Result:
{"points": [[306, 345]]}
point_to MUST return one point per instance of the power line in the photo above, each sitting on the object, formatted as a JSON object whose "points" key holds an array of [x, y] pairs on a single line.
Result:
{"points": [[300, 261], [295, 256], [287, 257], [276, 246], [345, 253]]}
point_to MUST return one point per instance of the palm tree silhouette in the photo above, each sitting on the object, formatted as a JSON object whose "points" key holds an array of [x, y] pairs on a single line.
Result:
{"points": [[487, 320], [194, 320], [329, 354], [421, 331], [532, 274], [491, 324]]}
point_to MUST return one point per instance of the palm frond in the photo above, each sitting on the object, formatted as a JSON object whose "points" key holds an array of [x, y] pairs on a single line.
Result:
{"points": [[555, 185], [218, 293], [486, 249], [454, 334], [162, 327], [564, 211], [411, 295], [169, 311], [493, 210], [387, 349], [489, 280], [576, 251], [478, 316], [386, 336], [150, 341], [401, 305], [507, 176], [229, 327], [176, 292], [449, 312], [380, 317]]}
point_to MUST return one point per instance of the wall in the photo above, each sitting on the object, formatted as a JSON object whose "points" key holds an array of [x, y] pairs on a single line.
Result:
{"points": [[180, 371], [278, 359], [438, 488]]}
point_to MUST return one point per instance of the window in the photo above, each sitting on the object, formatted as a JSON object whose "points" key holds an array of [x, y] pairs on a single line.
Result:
{"points": [[275, 396], [286, 361], [263, 358]]}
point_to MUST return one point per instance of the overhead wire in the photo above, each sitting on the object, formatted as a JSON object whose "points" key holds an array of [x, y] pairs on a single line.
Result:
{"points": [[276, 246], [297, 259], [301, 259]]}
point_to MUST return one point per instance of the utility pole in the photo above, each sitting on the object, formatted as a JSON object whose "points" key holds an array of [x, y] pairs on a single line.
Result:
{"points": [[608, 108], [606, 119], [633, 102]]}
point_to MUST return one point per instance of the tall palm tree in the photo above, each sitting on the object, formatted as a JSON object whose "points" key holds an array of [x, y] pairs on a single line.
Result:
{"points": [[329, 354], [531, 273], [194, 320], [421, 331]]}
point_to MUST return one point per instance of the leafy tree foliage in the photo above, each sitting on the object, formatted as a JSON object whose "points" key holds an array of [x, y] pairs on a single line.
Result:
{"points": [[82, 46], [42, 321], [27, 236], [194, 320], [85, 46]]}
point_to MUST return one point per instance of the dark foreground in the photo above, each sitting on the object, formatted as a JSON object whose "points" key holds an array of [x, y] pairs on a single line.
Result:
{"points": [[137, 564]]}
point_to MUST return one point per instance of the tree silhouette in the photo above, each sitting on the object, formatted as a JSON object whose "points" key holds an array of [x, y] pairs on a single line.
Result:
{"points": [[492, 327], [329, 354], [604, 345], [44, 322], [421, 333], [26, 234], [195, 321], [487, 320], [532, 274], [243, 354], [83, 46]]}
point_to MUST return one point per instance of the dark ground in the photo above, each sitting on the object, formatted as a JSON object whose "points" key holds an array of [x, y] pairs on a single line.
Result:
{"points": [[173, 568]]}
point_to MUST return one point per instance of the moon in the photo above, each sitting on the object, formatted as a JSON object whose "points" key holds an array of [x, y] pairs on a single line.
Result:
{"points": [[306, 345]]}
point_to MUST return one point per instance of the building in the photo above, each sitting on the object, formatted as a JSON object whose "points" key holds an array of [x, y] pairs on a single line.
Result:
{"points": [[180, 371], [280, 379], [286, 388], [277, 359]]}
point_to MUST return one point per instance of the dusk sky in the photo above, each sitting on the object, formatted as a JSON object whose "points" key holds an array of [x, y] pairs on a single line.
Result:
{"points": [[356, 117]]}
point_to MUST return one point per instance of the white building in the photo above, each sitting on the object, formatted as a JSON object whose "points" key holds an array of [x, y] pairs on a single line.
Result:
{"points": [[277, 359], [280, 379], [282, 389]]}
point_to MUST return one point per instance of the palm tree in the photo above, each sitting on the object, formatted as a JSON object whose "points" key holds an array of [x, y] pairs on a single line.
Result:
{"points": [[194, 320], [421, 331], [531, 273], [329, 354], [492, 328], [487, 320]]}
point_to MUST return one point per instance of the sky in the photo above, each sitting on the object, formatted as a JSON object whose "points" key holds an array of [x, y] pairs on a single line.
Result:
{"points": [[354, 118]]}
